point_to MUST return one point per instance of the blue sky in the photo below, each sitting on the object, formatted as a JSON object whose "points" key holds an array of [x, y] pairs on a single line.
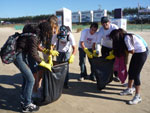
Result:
{"points": [[19, 8]]}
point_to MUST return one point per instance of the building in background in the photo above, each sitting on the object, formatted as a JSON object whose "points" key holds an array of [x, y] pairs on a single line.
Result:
{"points": [[86, 16], [98, 14], [76, 17], [118, 19], [64, 16]]}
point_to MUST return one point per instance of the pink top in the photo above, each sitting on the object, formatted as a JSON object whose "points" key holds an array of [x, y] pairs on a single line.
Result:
{"points": [[121, 68]]}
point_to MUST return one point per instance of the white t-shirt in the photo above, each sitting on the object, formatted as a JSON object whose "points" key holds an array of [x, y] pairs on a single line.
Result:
{"points": [[64, 44], [87, 38], [136, 44], [103, 36]]}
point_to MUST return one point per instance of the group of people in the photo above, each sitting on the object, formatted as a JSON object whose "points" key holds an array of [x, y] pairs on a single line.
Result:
{"points": [[53, 40], [28, 59], [117, 42], [50, 39]]}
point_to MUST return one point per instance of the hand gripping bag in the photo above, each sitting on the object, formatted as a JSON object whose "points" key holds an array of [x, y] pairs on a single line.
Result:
{"points": [[52, 83]]}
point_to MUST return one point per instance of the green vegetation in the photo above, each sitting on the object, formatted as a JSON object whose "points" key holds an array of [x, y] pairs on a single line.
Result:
{"points": [[78, 28], [26, 19], [18, 27], [137, 27]]}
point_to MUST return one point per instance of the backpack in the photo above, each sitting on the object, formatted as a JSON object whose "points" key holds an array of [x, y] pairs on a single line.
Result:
{"points": [[8, 52]]}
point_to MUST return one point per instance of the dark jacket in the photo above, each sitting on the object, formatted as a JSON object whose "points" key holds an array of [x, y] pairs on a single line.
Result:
{"points": [[29, 45]]}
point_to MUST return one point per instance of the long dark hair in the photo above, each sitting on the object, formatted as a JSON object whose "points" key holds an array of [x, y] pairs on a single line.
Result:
{"points": [[32, 28], [119, 45], [45, 34]]}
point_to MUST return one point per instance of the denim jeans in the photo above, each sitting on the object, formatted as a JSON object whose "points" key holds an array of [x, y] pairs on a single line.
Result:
{"points": [[28, 79], [64, 57], [82, 57]]}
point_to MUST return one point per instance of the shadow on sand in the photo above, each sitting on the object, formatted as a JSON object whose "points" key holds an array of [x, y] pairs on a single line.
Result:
{"points": [[10, 87], [88, 88]]}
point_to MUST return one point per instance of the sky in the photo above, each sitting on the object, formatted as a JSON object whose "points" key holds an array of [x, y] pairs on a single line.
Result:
{"points": [[20, 8]]}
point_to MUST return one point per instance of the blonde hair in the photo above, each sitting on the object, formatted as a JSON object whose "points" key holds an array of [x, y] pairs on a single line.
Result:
{"points": [[53, 23]]}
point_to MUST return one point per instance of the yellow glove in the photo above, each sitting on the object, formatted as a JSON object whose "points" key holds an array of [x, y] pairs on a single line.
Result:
{"points": [[71, 59], [111, 56], [95, 53], [46, 51], [89, 54], [46, 65], [50, 60], [54, 52]]}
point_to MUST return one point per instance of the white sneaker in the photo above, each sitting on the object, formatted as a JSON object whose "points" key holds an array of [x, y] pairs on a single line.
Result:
{"points": [[135, 100], [30, 108], [128, 91], [133, 89], [81, 79], [125, 85]]}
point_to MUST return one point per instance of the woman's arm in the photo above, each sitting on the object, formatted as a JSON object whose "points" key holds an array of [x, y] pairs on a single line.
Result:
{"points": [[132, 51], [73, 50]]}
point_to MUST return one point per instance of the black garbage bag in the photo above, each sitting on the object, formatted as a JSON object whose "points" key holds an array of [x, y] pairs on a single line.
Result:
{"points": [[52, 83], [103, 69]]}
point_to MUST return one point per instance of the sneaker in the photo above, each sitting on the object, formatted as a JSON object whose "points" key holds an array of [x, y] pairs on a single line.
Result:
{"points": [[125, 85], [81, 79], [133, 89], [67, 87], [30, 108], [116, 79], [128, 91], [22, 104], [92, 78], [135, 100]]}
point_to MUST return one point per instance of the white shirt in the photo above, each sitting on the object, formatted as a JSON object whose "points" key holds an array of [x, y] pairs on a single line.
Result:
{"points": [[103, 36], [87, 38], [136, 44], [64, 44]]}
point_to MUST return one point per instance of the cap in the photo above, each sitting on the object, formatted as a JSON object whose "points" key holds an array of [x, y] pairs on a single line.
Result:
{"points": [[104, 19]]}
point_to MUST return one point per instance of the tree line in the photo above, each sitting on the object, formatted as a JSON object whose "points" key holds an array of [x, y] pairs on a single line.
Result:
{"points": [[25, 19], [126, 11]]}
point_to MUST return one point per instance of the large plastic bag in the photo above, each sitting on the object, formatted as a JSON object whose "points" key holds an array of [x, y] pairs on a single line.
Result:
{"points": [[103, 69], [52, 83]]}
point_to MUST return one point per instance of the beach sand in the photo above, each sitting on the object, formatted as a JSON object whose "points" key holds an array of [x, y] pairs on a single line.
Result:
{"points": [[82, 97]]}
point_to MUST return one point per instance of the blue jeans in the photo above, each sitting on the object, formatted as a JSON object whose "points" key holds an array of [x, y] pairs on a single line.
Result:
{"points": [[82, 57], [64, 57], [28, 79]]}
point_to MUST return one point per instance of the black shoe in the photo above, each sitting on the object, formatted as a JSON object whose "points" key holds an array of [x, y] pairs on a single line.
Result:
{"points": [[66, 86], [86, 77], [92, 78], [30, 108], [80, 78], [21, 104], [116, 79]]}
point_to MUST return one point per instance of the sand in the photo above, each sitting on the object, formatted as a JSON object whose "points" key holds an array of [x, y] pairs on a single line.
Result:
{"points": [[82, 97]]}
